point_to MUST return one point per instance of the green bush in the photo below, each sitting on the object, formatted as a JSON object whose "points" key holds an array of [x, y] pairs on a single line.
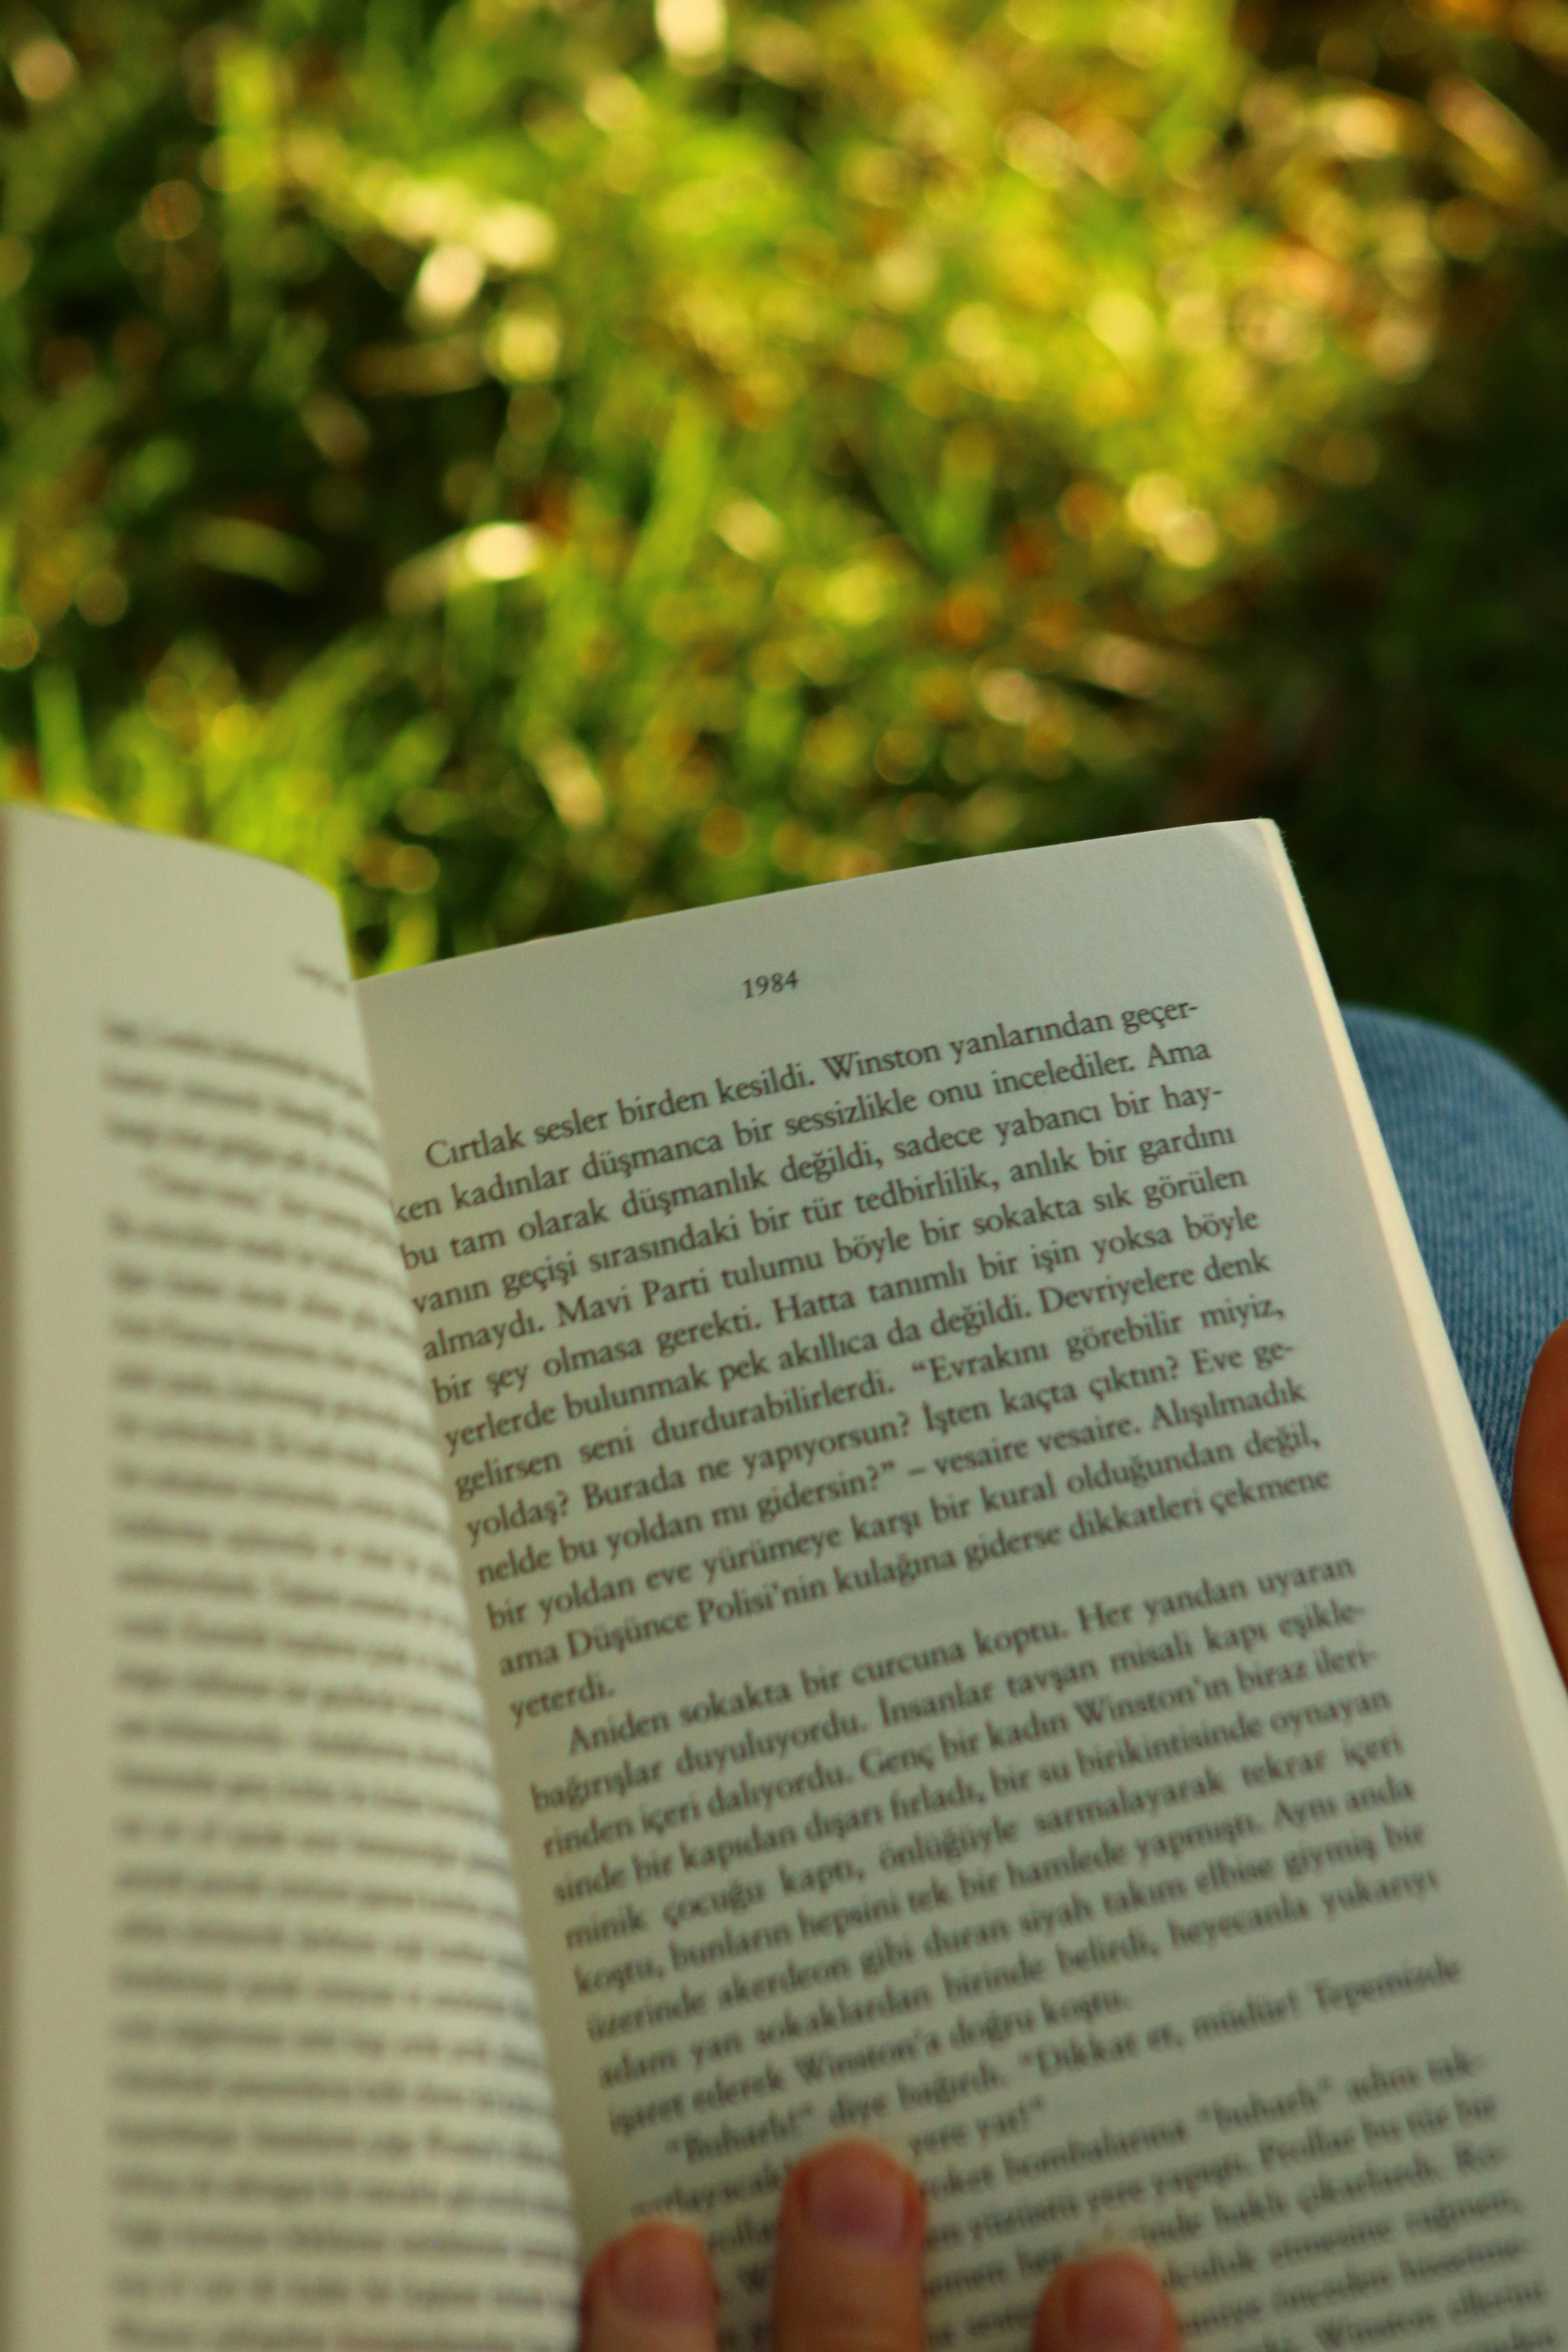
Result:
{"points": [[529, 465]]}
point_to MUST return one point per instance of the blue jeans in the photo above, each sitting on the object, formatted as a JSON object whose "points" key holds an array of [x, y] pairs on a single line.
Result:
{"points": [[1481, 1156]]}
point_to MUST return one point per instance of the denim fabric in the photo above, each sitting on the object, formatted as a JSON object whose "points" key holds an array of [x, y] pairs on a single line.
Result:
{"points": [[1481, 1156]]}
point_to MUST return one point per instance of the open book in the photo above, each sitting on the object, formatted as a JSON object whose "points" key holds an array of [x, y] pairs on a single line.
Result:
{"points": [[874, 1471]]}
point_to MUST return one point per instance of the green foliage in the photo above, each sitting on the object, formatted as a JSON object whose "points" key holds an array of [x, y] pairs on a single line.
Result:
{"points": [[531, 464]]}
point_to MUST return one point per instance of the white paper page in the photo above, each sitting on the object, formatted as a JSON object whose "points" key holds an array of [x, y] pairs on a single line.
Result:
{"points": [[273, 2074], [984, 1642]]}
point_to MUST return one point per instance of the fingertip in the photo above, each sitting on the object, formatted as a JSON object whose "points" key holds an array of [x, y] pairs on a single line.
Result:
{"points": [[850, 2255], [651, 2290], [1106, 2303], [854, 2193]]}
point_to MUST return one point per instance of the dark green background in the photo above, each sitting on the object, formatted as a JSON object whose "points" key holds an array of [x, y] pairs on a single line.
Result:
{"points": [[900, 430]]}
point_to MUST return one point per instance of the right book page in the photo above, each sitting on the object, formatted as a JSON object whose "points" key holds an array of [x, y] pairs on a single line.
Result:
{"points": [[998, 1629]]}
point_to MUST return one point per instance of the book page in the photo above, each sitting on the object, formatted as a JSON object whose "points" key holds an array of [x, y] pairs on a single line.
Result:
{"points": [[272, 2071], [987, 1597]]}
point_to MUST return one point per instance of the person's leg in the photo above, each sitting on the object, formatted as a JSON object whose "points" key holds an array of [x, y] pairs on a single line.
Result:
{"points": [[1481, 1156]]}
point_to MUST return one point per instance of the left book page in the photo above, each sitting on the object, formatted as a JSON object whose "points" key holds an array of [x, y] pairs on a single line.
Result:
{"points": [[271, 2075]]}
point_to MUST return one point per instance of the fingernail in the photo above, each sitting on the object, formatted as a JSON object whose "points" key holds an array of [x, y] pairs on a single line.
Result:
{"points": [[660, 2272], [1111, 2304], [859, 2196]]}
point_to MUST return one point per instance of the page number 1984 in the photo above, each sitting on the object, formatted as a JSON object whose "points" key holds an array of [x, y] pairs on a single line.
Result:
{"points": [[770, 984]]}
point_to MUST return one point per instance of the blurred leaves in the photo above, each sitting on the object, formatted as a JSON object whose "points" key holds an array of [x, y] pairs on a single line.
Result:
{"points": [[528, 464]]}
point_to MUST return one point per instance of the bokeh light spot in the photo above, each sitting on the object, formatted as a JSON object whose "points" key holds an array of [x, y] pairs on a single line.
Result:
{"points": [[724, 833]]}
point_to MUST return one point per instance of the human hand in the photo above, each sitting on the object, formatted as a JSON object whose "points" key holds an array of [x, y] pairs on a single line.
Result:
{"points": [[1540, 1490], [849, 2276]]}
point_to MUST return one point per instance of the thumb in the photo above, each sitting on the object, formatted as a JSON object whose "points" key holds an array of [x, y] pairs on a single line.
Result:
{"points": [[1540, 1490], [1111, 2302]]}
